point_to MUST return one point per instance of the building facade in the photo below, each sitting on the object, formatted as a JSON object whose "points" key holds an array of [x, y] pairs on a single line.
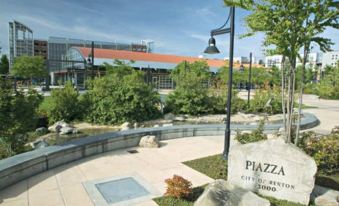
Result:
{"points": [[313, 60], [40, 48], [58, 47], [156, 67], [330, 59], [20, 40]]}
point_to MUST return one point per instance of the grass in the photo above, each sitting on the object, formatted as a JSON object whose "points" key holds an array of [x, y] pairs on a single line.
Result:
{"points": [[169, 201], [215, 167]]}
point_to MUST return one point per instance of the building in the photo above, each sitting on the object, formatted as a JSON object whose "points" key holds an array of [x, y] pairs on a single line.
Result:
{"points": [[40, 48], [273, 61], [20, 40], [330, 59], [156, 66], [58, 47], [313, 60]]}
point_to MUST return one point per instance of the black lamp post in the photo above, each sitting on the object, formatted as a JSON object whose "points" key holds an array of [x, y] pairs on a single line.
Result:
{"points": [[212, 49], [90, 59]]}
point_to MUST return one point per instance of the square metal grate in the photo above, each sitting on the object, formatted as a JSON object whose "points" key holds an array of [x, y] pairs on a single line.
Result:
{"points": [[121, 190]]}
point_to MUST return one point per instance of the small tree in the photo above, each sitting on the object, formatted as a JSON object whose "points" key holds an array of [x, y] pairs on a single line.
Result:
{"points": [[18, 115], [29, 67], [191, 93], [120, 96], [4, 65], [63, 104]]}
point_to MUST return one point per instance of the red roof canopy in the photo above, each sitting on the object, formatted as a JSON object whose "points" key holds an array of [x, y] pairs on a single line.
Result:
{"points": [[152, 57]]}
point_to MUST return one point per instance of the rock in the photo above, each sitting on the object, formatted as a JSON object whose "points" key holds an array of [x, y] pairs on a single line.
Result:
{"points": [[58, 124], [41, 130], [167, 125], [273, 168], [169, 116], [222, 193], [325, 196], [39, 144], [156, 125], [125, 126], [68, 130], [180, 118], [135, 125], [335, 130], [149, 141]]}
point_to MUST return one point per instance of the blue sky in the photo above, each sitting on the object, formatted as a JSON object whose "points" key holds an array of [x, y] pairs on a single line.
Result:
{"points": [[179, 27]]}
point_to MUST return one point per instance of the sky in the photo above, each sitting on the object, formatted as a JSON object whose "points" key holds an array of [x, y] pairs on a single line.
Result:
{"points": [[179, 27]]}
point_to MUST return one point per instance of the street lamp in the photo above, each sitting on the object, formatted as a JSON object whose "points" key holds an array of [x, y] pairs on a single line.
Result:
{"points": [[212, 49]]}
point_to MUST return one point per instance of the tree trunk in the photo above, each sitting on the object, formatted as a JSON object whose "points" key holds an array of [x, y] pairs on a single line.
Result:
{"points": [[301, 93], [283, 103], [290, 100]]}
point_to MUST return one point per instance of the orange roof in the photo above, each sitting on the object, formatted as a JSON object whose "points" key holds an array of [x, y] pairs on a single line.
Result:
{"points": [[152, 57]]}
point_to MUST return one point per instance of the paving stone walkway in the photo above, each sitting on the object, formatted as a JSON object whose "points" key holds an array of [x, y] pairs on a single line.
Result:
{"points": [[63, 185]]}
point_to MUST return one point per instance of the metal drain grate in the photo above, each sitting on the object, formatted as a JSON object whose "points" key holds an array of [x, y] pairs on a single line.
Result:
{"points": [[121, 190], [132, 151]]}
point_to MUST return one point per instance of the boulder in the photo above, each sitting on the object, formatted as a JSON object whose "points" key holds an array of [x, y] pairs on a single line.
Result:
{"points": [[149, 141], [222, 193], [58, 124], [169, 116], [156, 125], [335, 130], [125, 126], [167, 125], [68, 130], [325, 196], [180, 118], [39, 144], [273, 168], [41, 130]]}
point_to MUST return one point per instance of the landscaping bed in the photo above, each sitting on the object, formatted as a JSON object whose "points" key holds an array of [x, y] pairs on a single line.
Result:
{"points": [[215, 167]]}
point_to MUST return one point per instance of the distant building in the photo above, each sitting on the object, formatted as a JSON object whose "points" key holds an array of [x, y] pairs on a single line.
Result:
{"points": [[313, 60], [20, 40], [58, 46], [40, 48], [273, 61], [239, 60], [330, 59], [155, 66]]}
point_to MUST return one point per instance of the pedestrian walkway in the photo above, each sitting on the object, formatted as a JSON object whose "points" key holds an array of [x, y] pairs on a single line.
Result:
{"points": [[63, 186]]}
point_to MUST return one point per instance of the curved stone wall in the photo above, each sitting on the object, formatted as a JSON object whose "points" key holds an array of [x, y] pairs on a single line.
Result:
{"points": [[22, 166]]}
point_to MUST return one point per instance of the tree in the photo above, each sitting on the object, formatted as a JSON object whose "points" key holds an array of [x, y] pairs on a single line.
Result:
{"points": [[4, 65], [29, 67], [120, 96], [63, 104], [191, 93], [290, 26], [18, 115]]}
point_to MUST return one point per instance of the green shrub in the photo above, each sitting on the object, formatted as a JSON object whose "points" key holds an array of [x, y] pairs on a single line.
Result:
{"points": [[178, 187], [18, 115], [324, 150], [219, 103], [191, 95], [63, 104], [254, 136], [189, 101], [5, 148], [120, 96], [266, 101]]}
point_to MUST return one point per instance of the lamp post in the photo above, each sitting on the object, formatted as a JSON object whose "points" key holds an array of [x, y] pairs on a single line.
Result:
{"points": [[212, 49], [90, 59]]}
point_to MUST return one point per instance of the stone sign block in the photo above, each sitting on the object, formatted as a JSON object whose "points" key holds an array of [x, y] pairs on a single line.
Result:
{"points": [[273, 168]]}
